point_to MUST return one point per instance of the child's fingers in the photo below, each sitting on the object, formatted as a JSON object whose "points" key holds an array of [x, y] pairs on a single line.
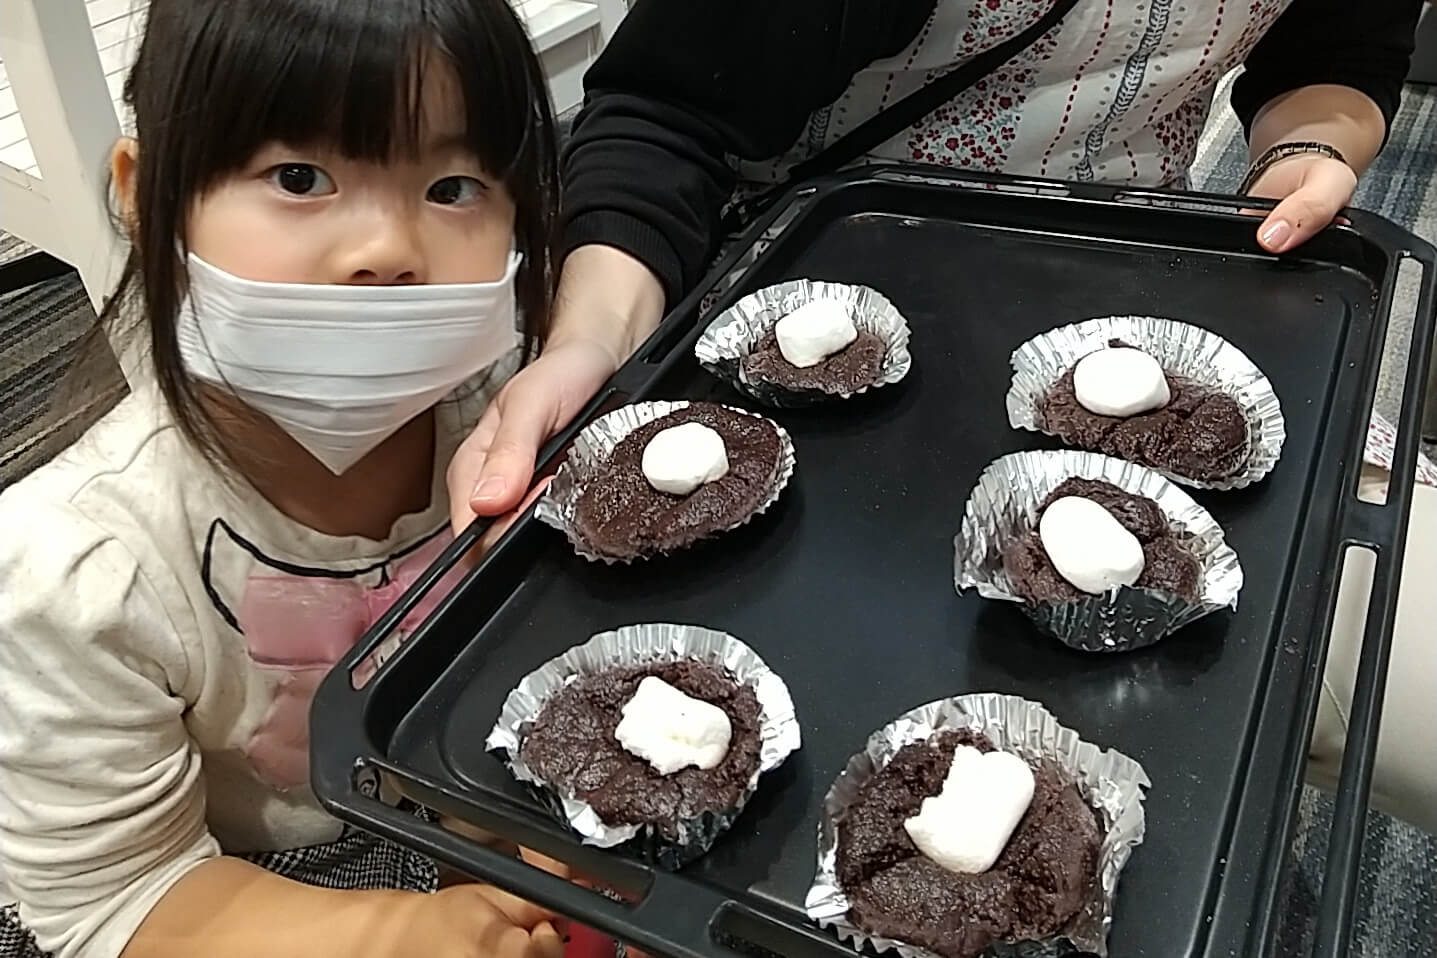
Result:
{"points": [[546, 941], [522, 913], [502, 940]]}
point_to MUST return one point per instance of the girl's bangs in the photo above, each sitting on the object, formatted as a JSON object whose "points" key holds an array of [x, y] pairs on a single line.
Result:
{"points": [[347, 75]]}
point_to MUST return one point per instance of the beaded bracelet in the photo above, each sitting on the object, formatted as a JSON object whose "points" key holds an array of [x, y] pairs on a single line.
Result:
{"points": [[1282, 151]]}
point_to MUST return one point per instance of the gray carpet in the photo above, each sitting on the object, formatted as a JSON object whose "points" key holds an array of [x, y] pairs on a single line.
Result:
{"points": [[44, 329], [43, 332]]}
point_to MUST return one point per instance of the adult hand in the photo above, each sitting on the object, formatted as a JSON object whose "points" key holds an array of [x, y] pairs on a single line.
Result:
{"points": [[491, 471], [1312, 188]]}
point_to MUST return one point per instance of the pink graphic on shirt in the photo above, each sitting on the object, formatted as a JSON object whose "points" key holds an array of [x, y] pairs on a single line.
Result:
{"points": [[300, 626]]}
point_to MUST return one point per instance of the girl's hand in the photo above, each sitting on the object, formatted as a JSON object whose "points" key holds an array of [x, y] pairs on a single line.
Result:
{"points": [[1313, 190], [473, 921], [491, 471]]}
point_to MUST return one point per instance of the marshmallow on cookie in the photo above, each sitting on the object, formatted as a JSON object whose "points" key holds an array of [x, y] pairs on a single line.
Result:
{"points": [[671, 730], [1120, 381], [1088, 545], [813, 332], [681, 458], [966, 826]]}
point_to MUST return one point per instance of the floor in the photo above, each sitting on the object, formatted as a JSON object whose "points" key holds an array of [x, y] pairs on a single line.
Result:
{"points": [[44, 329]]}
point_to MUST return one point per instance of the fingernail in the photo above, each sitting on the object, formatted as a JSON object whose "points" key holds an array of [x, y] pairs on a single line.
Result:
{"points": [[1276, 236], [491, 488]]}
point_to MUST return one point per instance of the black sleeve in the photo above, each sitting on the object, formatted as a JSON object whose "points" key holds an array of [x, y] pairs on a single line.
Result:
{"points": [[1363, 44], [683, 83]]}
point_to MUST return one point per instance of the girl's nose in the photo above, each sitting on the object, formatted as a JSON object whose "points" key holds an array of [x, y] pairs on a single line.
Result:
{"points": [[387, 253]]}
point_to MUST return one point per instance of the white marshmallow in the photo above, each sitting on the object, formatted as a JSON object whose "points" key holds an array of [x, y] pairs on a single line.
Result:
{"points": [[813, 332], [681, 458], [1120, 381], [671, 730], [1088, 546], [967, 825]]}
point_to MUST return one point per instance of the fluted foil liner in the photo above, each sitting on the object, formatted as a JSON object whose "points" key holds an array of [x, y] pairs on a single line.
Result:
{"points": [[1004, 504], [1109, 781], [635, 645], [594, 445], [736, 332], [1180, 348]]}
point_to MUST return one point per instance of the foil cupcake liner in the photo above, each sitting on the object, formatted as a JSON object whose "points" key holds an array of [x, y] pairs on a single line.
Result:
{"points": [[779, 733], [559, 503], [1109, 781], [1182, 349], [1003, 505], [736, 332]]}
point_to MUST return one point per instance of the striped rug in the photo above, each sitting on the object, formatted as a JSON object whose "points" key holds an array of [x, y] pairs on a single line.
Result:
{"points": [[43, 405]]}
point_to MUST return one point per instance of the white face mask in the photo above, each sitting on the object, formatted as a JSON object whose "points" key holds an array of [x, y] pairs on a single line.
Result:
{"points": [[340, 368]]}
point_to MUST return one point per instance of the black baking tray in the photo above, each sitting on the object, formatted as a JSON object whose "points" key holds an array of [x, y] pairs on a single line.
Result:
{"points": [[845, 586]]}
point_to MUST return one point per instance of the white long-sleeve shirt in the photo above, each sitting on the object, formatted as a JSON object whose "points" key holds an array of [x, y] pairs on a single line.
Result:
{"points": [[161, 635]]}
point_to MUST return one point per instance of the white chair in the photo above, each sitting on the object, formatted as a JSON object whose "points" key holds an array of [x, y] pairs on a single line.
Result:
{"points": [[57, 124]]}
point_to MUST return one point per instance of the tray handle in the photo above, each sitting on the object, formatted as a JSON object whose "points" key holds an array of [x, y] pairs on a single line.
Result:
{"points": [[1100, 192], [673, 917], [1381, 528]]}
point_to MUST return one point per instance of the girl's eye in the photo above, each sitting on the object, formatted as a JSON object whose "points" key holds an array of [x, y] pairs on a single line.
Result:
{"points": [[301, 179], [453, 190]]}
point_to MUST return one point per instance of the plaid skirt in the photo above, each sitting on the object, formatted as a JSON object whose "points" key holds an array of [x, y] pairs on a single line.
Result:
{"points": [[355, 861]]}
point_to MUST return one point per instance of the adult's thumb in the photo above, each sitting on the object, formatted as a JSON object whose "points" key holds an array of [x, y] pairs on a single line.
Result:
{"points": [[509, 466], [1297, 219]]}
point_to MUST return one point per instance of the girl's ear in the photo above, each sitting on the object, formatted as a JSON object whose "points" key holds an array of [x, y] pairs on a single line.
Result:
{"points": [[124, 168]]}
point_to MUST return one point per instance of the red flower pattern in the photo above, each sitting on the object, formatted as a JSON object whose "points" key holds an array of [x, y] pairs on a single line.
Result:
{"points": [[976, 129]]}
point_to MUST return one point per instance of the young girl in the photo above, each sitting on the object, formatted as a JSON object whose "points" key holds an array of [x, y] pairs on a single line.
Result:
{"points": [[340, 213]]}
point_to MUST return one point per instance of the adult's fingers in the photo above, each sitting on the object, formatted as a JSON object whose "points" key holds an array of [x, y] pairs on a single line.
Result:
{"points": [[501, 526], [466, 466], [1308, 209], [509, 465]]}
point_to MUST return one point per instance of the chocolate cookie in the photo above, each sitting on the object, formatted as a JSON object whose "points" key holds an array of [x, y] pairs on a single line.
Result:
{"points": [[572, 747], [1200, 434], [1038, 883], [846, 371], [1167, 565], [618, 514]]}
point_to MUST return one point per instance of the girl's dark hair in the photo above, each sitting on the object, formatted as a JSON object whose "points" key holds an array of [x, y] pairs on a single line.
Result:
{"points": [[216, 80]]}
